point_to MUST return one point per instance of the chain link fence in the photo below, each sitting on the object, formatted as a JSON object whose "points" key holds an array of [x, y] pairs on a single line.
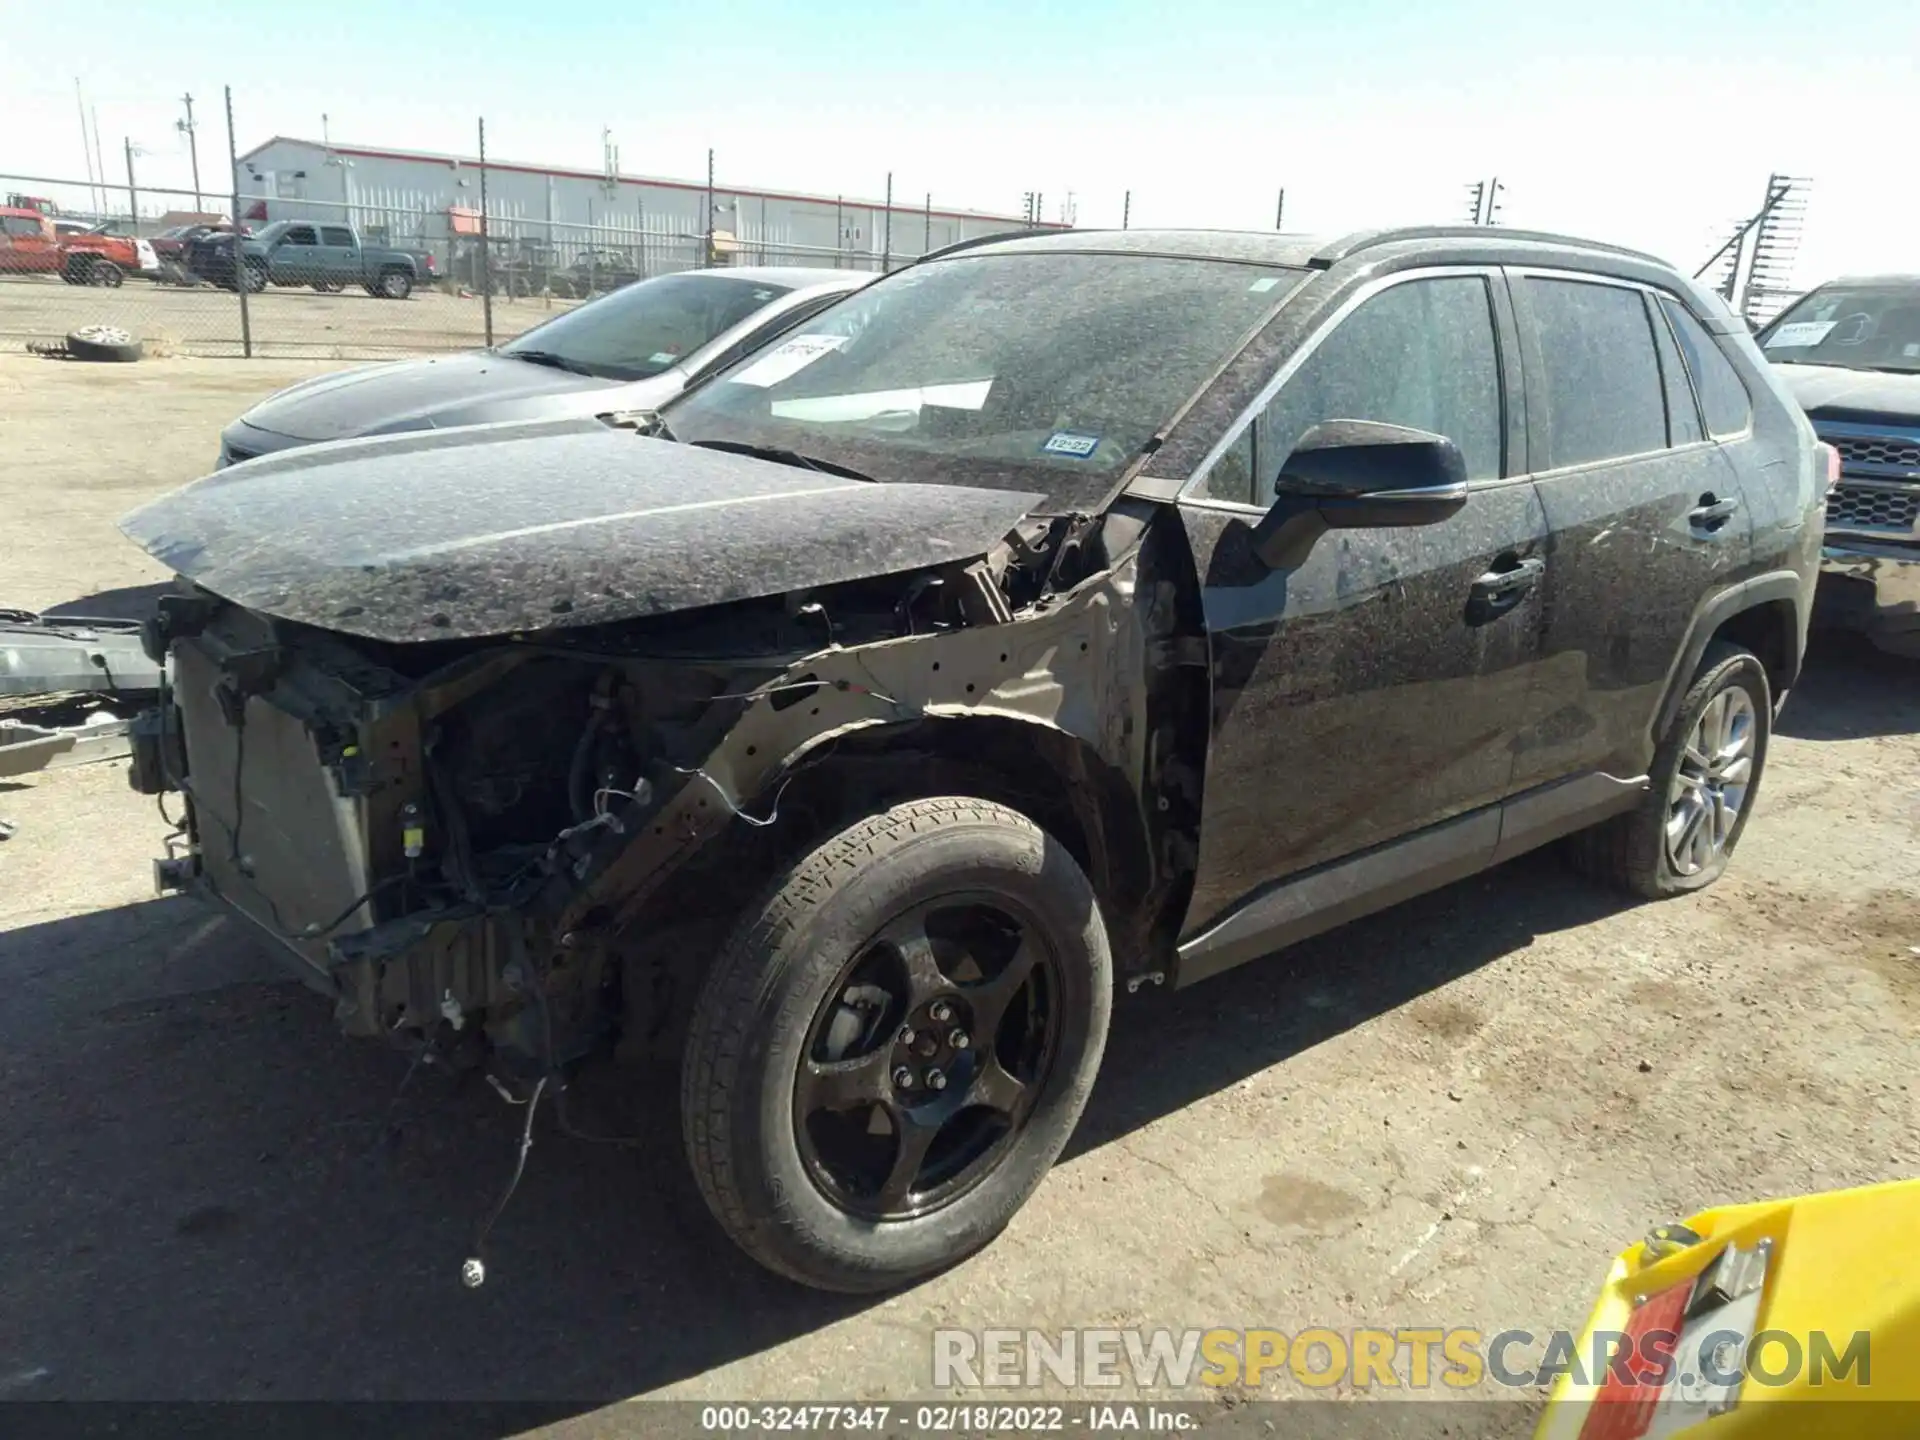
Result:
{"points": [[415, 256]]}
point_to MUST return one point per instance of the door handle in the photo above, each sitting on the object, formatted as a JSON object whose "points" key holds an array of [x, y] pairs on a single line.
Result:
{"points": [[1514, 581], [1711, 514], [1498, 591]]}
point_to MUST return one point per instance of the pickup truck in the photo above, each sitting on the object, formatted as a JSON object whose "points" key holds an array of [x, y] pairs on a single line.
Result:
{"points": [[31, 243], [300, 252]]}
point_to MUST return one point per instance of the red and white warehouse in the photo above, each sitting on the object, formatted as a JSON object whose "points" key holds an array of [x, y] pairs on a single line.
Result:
{"points": [[432, 200]]}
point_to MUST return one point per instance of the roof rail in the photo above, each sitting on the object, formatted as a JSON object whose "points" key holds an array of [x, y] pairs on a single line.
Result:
{"points": [[1348, 245], [993, 239]]}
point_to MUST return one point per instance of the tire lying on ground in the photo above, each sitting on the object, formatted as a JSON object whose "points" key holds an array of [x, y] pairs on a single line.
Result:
{"points": [[104, 342]]}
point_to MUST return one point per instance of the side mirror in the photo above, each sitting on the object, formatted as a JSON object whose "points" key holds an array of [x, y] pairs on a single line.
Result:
{"points": [[1359, 475]]}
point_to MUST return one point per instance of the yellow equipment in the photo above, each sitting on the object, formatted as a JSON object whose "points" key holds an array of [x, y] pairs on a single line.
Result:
{"points": [[1786, 1318]]}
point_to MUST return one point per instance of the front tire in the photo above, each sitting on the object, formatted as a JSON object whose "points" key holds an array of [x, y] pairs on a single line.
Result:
{"points": [[1704, 781], [895, 1044]]}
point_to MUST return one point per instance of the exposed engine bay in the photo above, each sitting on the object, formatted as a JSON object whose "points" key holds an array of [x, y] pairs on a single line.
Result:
{"points": [[508, 846]]}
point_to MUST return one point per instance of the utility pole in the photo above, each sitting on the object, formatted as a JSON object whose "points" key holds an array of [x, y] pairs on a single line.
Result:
{"points": [[1280, 210], [133, 196], [86, 147], [1493, 201], [186, 127], [886, 245], [99, 158], [1126, 209], [1476, 201], [486, 250], [239, 258]]}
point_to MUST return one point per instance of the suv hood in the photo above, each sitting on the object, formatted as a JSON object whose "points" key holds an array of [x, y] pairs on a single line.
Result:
{"points": [[504, 528], [1858, 397], [474, 388]]}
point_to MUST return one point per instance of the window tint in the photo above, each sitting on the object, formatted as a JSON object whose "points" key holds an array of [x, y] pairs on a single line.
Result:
{"points": [[1602, 380], [1420, 354], [336, 235], [301, 235], [1683, 415], [1723, 394]]}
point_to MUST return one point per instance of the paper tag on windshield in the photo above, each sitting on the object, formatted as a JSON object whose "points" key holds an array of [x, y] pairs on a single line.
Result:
{"points": [[662, 357], [788, 359], [1799, 334]]}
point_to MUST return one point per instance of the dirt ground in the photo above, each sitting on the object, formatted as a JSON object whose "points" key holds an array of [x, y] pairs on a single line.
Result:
{"points": [[203, 321], [1449, 1114]]}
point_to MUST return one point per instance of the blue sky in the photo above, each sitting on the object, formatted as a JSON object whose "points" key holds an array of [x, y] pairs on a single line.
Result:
{"points": [[1645, 123]]}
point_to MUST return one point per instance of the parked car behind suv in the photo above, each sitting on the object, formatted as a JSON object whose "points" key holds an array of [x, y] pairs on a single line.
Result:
{"points": [[632, 351], [1850, 351], [1058, 613]]}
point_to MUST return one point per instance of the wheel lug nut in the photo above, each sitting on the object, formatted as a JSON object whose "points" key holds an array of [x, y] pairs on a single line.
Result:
{"points": [[959, 1039], [905, 1037], [903, 1078], [941, 1012], [936, 1080]]}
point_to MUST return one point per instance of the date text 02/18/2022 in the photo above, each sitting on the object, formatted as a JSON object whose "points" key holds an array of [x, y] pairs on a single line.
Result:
{"points": [[948, 1419]]}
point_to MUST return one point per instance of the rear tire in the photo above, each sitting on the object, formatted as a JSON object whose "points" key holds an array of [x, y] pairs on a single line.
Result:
{"points": [[812, 959], [395, 285], [1704, 781]]}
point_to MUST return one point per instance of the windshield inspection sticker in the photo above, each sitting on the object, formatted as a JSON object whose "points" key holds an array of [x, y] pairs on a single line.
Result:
{"points": [[1801, 332], [1267, 284], [1067, 443], [662, 357], [788, 359]]}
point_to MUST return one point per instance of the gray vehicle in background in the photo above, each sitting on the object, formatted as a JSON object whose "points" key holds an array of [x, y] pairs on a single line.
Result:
{"points": [[627, 352], [1850, 351]]}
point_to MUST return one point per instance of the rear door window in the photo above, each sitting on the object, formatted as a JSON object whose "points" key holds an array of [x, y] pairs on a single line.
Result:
{"points": [[1723, 394], [1601, 375], [1683, 412], [336, 235]]}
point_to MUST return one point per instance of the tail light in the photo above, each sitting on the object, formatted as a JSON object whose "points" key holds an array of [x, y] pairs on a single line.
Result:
{"points": [[1833, 465]]}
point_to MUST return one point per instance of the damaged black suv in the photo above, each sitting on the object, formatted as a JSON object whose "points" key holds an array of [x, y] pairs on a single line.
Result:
{"points": [[1061, 612]]}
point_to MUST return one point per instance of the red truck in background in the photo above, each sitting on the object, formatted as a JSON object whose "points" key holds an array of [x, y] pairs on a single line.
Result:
{"points": [[29, 244]]}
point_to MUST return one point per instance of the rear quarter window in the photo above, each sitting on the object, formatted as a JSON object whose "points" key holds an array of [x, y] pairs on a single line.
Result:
{"points": [[1601, 374], [1723, 394]]}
